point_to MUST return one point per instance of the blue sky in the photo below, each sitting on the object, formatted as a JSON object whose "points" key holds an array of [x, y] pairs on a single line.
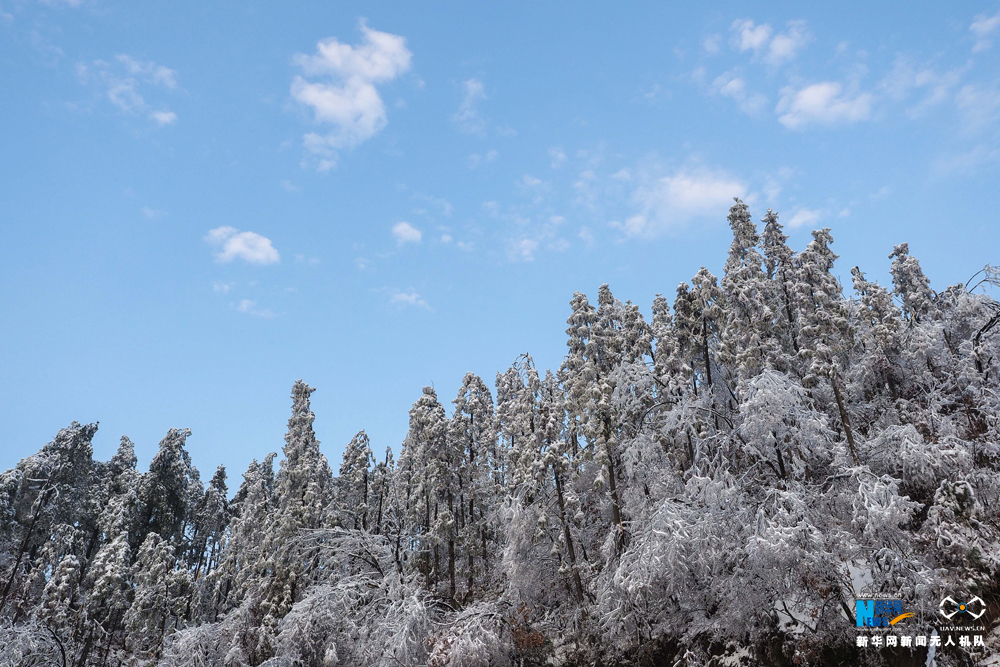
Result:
{"points": [[202, 202]]}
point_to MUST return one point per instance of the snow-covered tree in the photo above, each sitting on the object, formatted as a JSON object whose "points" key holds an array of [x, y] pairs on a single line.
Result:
{"points": [[713, 486]]}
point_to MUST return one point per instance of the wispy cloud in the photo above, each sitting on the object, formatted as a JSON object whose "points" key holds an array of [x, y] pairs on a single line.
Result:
{"points": [[670, 202], [821, 104], [408, 299], [907, 79], [476, 159], [125, 79], [711, 44], [468, 117], [345, 97], [250, 308], [248, 246], [786, 45], [775, 51], [983, 29], [803, 217], [558, 157], [747, 36], [979, 105], [735, 87], [524, 250], [404, 232]]}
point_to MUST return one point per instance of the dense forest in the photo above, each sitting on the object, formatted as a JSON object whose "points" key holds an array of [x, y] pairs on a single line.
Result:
{"points": [[715, 485]]}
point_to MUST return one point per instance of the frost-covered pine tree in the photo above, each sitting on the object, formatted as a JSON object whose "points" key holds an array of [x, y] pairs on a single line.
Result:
{"points": [[779, 263], [148, 618], [471, 432], [355, 482], [430, 462], [911, 285], [746, 342], [714, 486], [302, 492], [164, 491], [825, 332]]}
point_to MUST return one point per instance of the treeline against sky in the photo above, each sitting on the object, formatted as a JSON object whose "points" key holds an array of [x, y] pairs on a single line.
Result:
{"points": [[714, 485]]}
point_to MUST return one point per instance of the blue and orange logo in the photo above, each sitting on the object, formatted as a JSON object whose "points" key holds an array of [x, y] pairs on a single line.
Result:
{"points": [[879, 613]]}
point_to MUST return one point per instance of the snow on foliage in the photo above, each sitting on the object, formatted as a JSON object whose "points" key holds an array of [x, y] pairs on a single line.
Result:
{"points": [[714, 486]]}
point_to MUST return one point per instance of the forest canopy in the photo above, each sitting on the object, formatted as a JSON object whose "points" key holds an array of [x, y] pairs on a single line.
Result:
{"points": [[715, 485]]}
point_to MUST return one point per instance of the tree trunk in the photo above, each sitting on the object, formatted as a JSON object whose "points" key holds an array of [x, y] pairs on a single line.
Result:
{"points": [[577, 583], [844, 418], [451, 549]]}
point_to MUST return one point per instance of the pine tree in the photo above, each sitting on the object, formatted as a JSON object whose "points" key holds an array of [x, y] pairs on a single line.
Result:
{"points": [[164, 491], [745, 340], [432, 463], [912, 286], [355, 480], [148, 618], [779, 262], [472, 434], [825, 332], [302, 491]]}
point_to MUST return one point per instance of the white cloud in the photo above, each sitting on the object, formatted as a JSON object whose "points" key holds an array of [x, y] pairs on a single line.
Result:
{"points": [[732, 86], [467, 117], [248, 246], [905, 78], [148, 71], [711, 44], [403, 299], [983, 28], [524, 250], [586, 236], [164, 117], [439, 203], [122, 79], [558, 157], [881, 193], [747, 36], [979, 105], [803, 217], [347, 98], [821, 103], [655, 92], [786, 45], [404, 232], [152, 213], [670, 202], [222, 288], [250, 308], [288, 186], [776, 51], [476, 159], [966, 163]]}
